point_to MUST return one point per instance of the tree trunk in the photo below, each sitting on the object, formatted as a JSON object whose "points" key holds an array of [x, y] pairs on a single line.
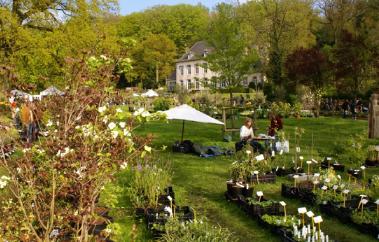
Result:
{"points": [[157, 74]]}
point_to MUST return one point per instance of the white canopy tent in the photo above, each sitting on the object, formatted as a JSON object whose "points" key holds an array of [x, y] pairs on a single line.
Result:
{"points": [[188, 113], [150, 93], [51, 91], [19, 94]]}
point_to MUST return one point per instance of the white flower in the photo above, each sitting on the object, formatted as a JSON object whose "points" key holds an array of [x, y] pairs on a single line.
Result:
{"points": [[25, 150], [102, 109], [124, 165], [4, 181], [104, 57], [147, 148], [122, 125], [119, 110], [145, 114], [127, 133], [105, 119], [49, 123], [111, 125], [248, 152], [114, 134]]}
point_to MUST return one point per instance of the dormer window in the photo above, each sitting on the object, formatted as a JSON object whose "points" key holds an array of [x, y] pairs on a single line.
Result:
{"points": [[205, 53], [190, 55]]}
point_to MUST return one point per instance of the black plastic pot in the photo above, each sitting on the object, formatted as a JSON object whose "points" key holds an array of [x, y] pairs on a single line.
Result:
{"points": [[371, 163], [267, 178], [139, 213]]}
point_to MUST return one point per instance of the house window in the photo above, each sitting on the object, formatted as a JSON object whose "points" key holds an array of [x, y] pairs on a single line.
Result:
{"points": [[181, 84], [255, 80], [189, 84], [181, 70], [189, 69], [197, 69], [197, 83], [205, 67]]}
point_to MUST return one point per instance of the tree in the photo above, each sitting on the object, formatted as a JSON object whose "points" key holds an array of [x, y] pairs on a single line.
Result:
{"points": [[38, 56], [184, 24], [277, 27], [231, 58], [153, 59], [309, 67]]}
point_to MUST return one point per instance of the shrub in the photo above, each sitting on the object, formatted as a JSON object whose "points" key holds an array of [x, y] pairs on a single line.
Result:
{"points": [[162, 104]]}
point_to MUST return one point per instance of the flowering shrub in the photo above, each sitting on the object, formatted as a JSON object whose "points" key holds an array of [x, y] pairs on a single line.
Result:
{"points": [[55, 185]]}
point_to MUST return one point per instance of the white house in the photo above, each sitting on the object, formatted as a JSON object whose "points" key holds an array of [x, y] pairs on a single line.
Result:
{"points": [[191, 72]]}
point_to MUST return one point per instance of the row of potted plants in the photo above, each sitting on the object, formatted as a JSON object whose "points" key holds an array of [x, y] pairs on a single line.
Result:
{"points": [[339, 199], [273, 216]]}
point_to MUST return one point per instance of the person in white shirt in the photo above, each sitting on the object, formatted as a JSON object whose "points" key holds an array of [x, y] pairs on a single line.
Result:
{"points": [[246, 135]]}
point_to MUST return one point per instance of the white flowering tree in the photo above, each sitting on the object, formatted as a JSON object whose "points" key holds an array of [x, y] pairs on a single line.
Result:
{"points": [[53, 187]]}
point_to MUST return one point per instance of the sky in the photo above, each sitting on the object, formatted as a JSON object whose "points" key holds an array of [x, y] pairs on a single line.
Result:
{"points": [[130, 6]]}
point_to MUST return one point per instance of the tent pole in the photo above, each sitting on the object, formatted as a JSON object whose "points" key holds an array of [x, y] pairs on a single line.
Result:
{"points": [[182, 131]]}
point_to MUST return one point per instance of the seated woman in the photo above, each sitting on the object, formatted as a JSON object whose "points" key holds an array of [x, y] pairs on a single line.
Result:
{"points": [[246, 135]]}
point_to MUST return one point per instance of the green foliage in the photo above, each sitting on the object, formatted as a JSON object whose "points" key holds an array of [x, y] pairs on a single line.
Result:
{"points": [[254, 201], [146, 184], [153, 59], [184, 24], [280, 220], [232, 58], [196, 230], [367, 217], [281, 108], [162, 103], [352, 150]]}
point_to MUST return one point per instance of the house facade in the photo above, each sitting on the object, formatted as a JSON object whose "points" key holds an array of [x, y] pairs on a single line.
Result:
{"points": [[192, 72]]}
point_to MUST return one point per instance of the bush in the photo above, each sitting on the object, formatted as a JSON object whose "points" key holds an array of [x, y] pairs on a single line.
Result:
{"points": [[162, 104]]}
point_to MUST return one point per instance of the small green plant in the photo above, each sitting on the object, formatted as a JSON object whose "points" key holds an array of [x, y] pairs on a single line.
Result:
{"points": [[196, 230], [365, 217], [265, 204], [280, 220]]}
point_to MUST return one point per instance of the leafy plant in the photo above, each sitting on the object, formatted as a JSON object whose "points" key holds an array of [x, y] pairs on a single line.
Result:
{"points": [[162, 103], [269, 203], [147, 183], [367, 217], [351, 150], [280, 220], [196, 230]]}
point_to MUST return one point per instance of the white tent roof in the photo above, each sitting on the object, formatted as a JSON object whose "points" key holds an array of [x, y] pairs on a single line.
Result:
{"points": [[187, 113], [150, 93], [51, 91], [18, 93]]}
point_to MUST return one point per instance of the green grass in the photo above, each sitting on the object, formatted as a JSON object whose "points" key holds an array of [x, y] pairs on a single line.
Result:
{"points": [[200, 182]]}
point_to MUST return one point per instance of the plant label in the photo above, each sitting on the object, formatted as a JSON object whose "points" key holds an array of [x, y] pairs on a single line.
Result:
{"points": [[302, 210], [318, 219]]}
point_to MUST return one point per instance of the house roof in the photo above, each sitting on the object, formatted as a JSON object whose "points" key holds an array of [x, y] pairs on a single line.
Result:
{"points": [[196, 52]]}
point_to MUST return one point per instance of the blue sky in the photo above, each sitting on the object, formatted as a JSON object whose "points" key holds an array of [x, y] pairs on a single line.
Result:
{"points": [[129, 6]]}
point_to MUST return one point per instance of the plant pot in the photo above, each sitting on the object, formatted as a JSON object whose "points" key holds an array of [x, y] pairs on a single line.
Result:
{"points": [[371, 163], [267, 178], [247, 192], [139, 213], [185, 213]]}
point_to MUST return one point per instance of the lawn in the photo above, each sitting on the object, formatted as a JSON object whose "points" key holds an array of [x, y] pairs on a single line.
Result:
{"points": [[200, 182]]}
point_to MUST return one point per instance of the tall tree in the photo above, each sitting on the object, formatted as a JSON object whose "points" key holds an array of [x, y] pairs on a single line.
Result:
{"points": [[184, 24], [309, 67], [153, 59], [232, 58], [278, 27]]}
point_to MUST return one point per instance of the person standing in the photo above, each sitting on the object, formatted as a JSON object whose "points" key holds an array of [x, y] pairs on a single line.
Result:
{"points": [[353, 109]]}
